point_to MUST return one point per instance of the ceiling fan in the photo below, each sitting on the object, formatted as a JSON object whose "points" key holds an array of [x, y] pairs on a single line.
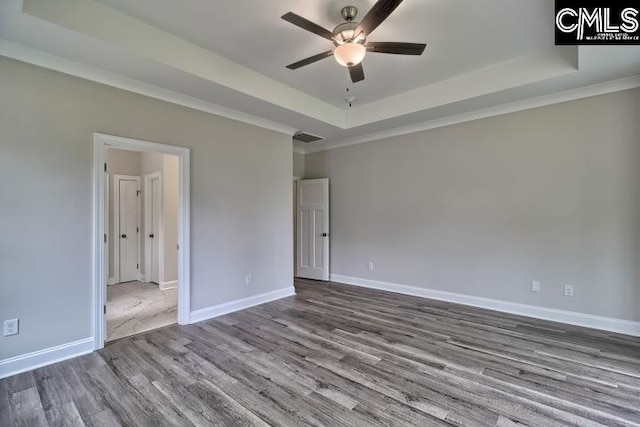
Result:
{"points": [[350, 38]]}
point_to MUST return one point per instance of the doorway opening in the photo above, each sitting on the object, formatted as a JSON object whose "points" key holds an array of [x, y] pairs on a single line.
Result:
{"points": [[141, 224]]}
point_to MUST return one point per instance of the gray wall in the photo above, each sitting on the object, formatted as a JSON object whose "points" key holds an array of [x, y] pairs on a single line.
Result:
{"points": [[298, 165], [240, 199], [123, 162], [484, 207]]}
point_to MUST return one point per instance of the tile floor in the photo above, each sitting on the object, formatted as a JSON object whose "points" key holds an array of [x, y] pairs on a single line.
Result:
{"points": [[136, 307]]}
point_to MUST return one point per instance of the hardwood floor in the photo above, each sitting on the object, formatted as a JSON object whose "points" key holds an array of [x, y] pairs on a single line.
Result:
{"points": [[340, 355]]}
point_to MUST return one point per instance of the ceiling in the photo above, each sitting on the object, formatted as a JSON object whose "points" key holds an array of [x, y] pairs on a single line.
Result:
{"points": [[251, 33], [229, 57]]}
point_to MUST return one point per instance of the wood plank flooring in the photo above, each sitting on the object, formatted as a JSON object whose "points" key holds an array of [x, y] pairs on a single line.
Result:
{"points": [[336, 355]]}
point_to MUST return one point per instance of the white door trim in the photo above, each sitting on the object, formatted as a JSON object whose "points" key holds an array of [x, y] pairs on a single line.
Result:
{"points": [[115, 237], [295, 224], [100, 143], [147, 224]]}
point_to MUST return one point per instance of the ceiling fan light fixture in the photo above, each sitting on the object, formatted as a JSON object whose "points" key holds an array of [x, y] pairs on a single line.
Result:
{"points": [[350, 38], [350, 54]]}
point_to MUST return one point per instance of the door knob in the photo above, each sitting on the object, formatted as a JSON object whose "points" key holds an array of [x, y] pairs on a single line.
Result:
{"points": [[325, 234], [124, 236], [152, 235]]}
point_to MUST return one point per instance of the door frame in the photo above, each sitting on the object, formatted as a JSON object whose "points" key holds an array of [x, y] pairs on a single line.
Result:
{"points": [[100, 143], [116, 223], [294, 190], [107, 244], [160, 233]]}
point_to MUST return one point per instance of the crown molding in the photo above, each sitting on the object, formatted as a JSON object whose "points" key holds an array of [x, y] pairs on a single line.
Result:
{"points": [[527, 104], [46, 60], [516, 72], [97, 21]]}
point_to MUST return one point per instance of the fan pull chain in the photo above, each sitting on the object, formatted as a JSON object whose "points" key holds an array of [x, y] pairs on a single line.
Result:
{"points": [[350, 99]]}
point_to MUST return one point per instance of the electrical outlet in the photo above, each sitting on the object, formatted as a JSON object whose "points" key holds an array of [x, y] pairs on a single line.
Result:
{"points": [[370, 266], [248, 279], [11, 327], [535, 286], [568, 290]]}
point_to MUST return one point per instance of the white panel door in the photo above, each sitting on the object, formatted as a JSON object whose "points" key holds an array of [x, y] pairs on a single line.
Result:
{"points": [[313, 229], [128, 230], [154, 233]]}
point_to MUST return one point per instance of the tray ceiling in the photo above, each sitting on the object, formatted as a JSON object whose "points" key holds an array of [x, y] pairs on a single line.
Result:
{"points": [[229, 57]]}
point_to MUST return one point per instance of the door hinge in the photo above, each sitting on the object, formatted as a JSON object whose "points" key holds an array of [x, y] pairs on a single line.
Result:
{"points": [[105, 237], [137, 266], [178, 247], [138, 193], [137, 229], [104, 309], [105, 167]]}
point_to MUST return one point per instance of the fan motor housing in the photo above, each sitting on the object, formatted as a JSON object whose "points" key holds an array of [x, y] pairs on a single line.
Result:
{"points": [[349, 13], [345, 32]]}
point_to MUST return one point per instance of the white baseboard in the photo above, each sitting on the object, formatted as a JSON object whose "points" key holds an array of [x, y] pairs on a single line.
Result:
{"points": [[240, 304], [168, 285], [627, 327], [48, 356], [111, 281]]}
